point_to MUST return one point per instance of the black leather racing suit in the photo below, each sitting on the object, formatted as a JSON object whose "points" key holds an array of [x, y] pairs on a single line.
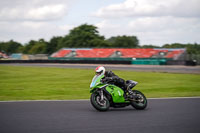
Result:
{"points": [[110, 77]]}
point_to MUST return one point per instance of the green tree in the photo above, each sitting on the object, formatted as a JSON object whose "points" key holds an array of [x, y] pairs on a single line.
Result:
{"points": [[124, 41], [10, 47], [174, 45], [36, 47], [52, 45], [149, 46], [28, 46], [191, 48], [63, 42], [2, 46], [83, 36]]}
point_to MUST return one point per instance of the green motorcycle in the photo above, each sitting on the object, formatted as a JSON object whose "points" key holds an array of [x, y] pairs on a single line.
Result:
{"points": [[106, 95]]}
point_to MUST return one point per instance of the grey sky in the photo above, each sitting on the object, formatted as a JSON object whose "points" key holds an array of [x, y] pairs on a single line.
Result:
{"points": [[153, 21]]}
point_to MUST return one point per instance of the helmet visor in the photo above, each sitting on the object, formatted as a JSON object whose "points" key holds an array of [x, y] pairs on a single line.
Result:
{"points": [[99, 73]]}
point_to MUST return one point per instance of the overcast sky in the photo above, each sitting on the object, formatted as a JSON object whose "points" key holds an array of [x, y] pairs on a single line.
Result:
{"points": [[153, 21]]}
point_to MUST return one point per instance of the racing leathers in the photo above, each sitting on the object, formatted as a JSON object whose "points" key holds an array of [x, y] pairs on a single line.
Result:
{"points": [[110, 77]]}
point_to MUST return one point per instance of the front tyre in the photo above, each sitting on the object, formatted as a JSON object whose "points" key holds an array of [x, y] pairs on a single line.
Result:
{"points": [[98, 104], [140, 101]]}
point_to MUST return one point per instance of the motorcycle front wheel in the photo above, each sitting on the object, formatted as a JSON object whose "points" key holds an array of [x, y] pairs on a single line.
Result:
{"points": [[98, 104], [139, 102]]}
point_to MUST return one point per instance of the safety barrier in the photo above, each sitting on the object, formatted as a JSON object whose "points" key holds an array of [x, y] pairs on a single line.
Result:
{"points": [[91, 61], [150, 61], [142, 61]]}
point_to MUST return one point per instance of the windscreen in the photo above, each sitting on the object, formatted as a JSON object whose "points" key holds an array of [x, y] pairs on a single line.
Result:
{"points": [[95, 80]]}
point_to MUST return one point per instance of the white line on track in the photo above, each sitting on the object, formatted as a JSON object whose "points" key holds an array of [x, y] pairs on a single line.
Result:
{"points": [[174, 98], [78, 100]]}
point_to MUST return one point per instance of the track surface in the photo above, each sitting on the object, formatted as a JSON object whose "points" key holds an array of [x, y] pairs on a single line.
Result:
{"points": [[161, 116], [149, 68]]}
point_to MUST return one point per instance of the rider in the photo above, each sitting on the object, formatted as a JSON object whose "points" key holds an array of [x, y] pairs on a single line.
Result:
{"points": [[109, 76]]}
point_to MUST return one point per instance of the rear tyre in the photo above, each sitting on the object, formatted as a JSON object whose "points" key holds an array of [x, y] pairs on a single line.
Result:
{"points": [[140, 101], [99, 105]]}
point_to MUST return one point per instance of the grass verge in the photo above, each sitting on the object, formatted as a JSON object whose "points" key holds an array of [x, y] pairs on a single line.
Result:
{"points": [[39, 83]]}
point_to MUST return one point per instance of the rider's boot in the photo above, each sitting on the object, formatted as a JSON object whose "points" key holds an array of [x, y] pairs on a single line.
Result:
{"points": [[128, 94]]}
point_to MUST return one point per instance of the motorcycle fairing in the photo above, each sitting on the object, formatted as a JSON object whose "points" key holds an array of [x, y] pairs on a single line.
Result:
{"points": [[116, 93]]}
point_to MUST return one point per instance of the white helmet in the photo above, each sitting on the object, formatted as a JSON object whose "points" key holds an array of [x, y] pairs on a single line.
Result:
{"points": [[100, 70]]}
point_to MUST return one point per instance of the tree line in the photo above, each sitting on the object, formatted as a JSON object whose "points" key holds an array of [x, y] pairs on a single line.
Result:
{"points": [[84, 36]]}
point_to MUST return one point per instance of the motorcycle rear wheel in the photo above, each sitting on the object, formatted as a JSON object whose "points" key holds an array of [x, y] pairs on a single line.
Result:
{"points": [[98, 104], [140, 101]]}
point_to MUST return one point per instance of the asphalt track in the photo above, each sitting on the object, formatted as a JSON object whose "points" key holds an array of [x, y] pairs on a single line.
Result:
{"points": [[161, 116], [144, 68]]}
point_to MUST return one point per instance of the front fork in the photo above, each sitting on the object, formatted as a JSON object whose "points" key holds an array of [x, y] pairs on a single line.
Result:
{"points": [[101, 95]]}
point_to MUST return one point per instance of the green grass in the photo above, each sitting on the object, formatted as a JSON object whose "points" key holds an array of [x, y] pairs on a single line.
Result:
{"points": [[39, 83]]}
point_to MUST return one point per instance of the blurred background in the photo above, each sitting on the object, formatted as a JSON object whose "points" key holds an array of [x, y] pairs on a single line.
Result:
{"points": [[154, 32]]}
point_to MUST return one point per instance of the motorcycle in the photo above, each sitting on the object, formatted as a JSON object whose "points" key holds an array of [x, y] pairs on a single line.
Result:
{"points": [[105, 95]]}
